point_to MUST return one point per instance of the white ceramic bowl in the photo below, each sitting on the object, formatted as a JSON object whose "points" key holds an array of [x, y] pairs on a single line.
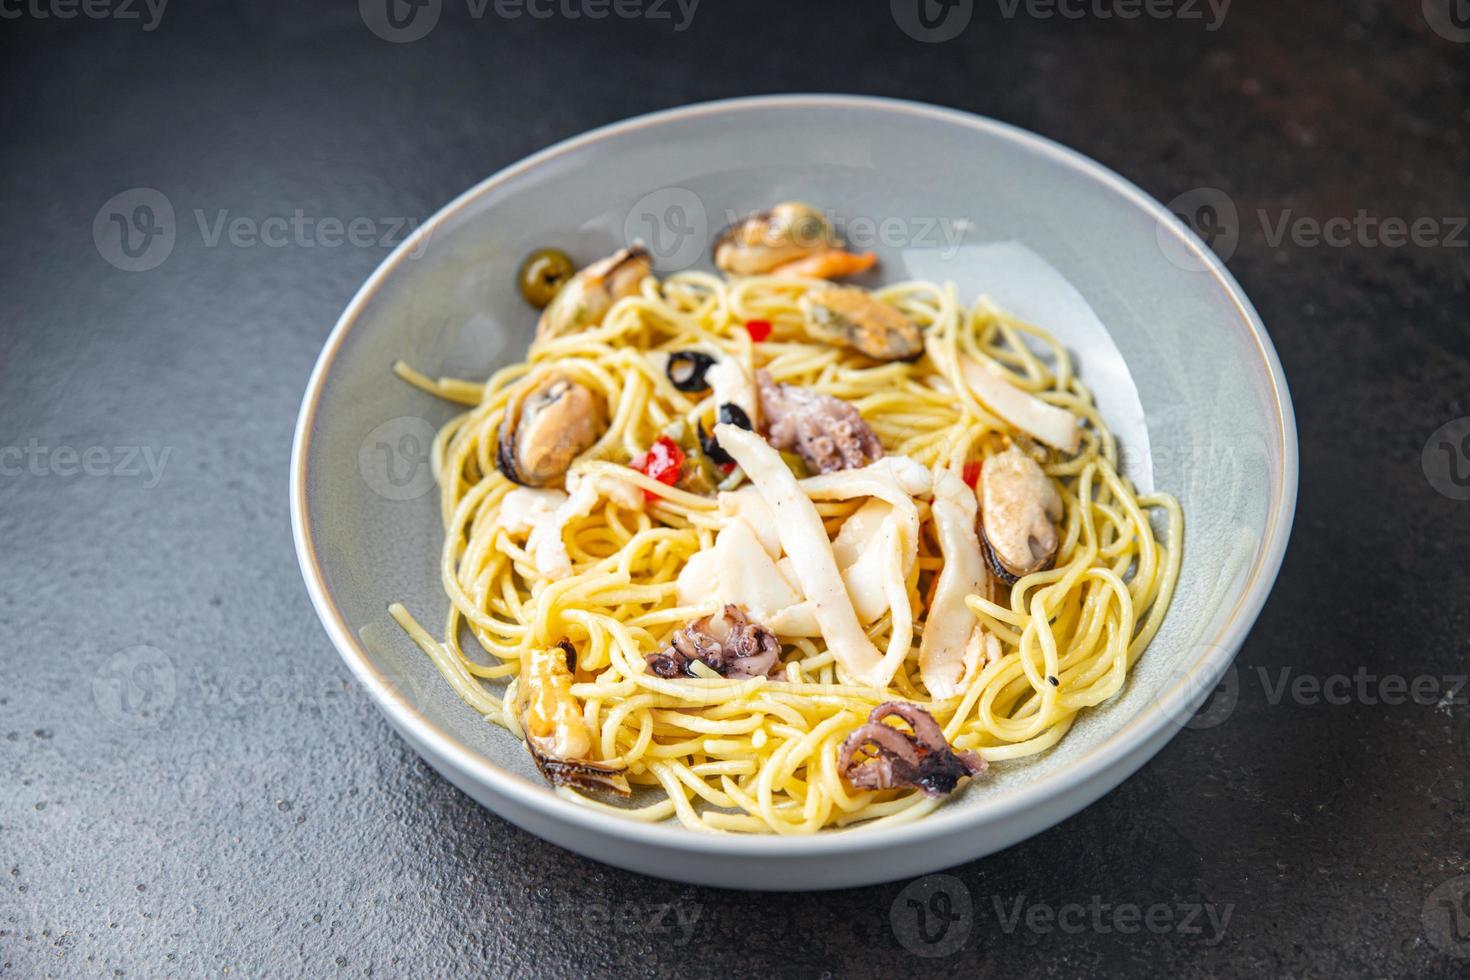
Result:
{"points": [[1184, 370]]}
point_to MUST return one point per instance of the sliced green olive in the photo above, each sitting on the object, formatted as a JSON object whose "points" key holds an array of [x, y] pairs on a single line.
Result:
{"points": [[796, 465], [544, 272], [697, 475]]}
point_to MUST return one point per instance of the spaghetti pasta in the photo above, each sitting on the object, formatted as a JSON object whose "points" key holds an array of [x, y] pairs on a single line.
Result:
{"points": [[761, 754]]}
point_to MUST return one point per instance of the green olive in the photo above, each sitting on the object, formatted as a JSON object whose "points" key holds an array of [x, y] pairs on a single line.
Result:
{"points": [[544, 272], [796, 465]]}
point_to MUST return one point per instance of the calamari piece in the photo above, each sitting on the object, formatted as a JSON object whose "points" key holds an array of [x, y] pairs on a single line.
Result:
{"points": [[886, 478], [860, 531], [896, 480], [747, 573], [865, 548], [949, 623], [747, 503], [587, 297], [804, 539], [886, 558], [877, 572], [698, 579], [546, 514], [828, 433], [801, 618], [892, 758], [1041, 420], [791, 239], [551, 719], [1020, 511], [727, 642], [539, 512]]}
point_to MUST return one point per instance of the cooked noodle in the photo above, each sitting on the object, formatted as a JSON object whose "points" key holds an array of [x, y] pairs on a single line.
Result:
{"points": [[761, 754]]}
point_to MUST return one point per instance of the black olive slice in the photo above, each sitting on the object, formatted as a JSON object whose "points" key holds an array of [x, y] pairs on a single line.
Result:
{"points": [[733, 415], [687, 369]]}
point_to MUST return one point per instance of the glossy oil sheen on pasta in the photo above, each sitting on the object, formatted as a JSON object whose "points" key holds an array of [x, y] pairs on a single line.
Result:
{"points": [[761, 754]]}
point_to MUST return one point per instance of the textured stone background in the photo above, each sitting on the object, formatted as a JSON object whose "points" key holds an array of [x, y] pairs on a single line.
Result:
{"points": [[189, 783]]}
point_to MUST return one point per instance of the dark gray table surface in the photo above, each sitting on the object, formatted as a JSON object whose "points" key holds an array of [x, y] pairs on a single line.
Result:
{"points": [[247, 812]]}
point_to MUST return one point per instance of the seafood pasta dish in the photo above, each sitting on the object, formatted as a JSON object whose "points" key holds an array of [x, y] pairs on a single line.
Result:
{"points": [[765, 551]]}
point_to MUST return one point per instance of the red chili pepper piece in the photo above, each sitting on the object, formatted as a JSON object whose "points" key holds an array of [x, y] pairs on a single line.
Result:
{"points": [[758, 329], [662, 462], [971, 474]]}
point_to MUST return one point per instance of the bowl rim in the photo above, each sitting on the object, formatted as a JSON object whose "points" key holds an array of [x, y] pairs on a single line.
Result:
{"points": [[1135, 733]]}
